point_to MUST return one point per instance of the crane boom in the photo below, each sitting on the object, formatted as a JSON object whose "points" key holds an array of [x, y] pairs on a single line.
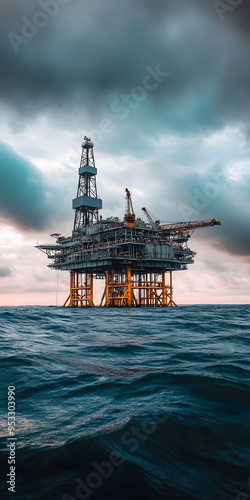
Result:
{"points": [[129, 208], [148, 216], [151, 218], [189, 226], [129, 215]]}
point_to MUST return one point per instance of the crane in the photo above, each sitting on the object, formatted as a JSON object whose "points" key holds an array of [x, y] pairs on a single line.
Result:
{"points": [[190, 226], [129, 215], [180, 227], [152, 219]]}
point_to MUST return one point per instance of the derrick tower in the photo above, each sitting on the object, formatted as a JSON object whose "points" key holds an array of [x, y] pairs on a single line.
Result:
{"points": [[135, 259], [87, 203], [86, 206]]}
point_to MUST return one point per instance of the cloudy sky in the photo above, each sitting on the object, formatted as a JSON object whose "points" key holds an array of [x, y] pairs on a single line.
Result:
{"points": [[163, 89]]}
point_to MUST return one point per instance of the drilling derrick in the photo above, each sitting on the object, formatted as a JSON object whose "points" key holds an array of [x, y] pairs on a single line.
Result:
{"points": [[135, 259], [87, 203], [86, 206]]}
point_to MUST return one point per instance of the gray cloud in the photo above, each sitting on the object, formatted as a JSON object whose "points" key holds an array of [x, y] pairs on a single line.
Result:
{"points": [[25, 198], [212, 193], [91, 51], [5, 272]]}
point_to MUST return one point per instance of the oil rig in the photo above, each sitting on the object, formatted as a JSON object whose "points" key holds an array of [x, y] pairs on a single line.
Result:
{"points": [[135, 258]]}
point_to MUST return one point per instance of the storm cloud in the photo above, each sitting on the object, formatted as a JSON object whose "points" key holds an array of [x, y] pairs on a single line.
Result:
{"points": [[5, 272], [91, 52], [24, 197], [214, 193]]}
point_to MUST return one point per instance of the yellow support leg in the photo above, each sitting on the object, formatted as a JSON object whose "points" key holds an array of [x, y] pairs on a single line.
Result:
{"points": [[66, 301], [71, 290], [172, 302], [164, 302], [103, 296], [107, 288], [129, 287], [91, 298]]}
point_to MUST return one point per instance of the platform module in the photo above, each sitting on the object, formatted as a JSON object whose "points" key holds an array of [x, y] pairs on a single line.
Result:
{"points": [[135, 258]]}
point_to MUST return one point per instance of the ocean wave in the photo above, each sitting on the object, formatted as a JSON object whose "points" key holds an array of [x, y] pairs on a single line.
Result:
{"points": [[164, 390]]}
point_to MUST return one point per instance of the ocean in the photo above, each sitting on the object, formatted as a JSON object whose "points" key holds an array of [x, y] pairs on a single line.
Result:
{"points": [[128, 404]]}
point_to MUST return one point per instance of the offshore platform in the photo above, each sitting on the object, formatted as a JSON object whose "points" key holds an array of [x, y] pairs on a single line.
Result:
{"points": [[133, 257]]}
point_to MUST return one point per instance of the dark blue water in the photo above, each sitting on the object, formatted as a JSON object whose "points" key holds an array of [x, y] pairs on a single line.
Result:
{"points": [[127, 404]]}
